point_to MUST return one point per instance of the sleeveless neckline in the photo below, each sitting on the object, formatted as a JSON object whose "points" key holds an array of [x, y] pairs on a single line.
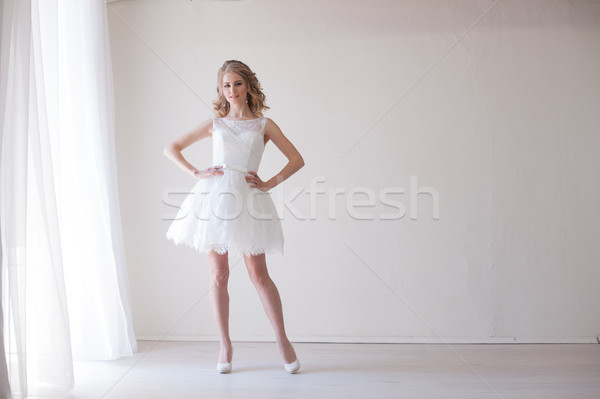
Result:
{"points": [[241, 120]]}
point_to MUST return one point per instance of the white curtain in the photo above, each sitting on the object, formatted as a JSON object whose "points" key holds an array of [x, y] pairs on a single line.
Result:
{"points": [[65, 291], [4, 384]]}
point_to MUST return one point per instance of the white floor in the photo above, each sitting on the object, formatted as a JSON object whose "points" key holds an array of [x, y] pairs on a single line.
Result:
{"points": [[187, 370]]}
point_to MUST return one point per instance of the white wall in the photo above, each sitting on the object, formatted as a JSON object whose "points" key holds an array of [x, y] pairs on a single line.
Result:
{"points": [[502, 121]]}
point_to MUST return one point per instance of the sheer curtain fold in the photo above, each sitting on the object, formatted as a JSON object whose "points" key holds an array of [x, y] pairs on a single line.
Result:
{"points": [[14, 81], [4, 384], [64, 281], [87, 128]]}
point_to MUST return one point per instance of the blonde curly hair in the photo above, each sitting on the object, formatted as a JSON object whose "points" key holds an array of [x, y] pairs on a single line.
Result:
{"points": [[256, 98]]}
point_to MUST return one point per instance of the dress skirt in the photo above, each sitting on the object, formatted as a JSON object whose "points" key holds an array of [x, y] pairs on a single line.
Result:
{"points": [[225, 214]]}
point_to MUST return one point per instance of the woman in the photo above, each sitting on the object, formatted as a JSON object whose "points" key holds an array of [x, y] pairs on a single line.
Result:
{"points": [[213, 222]]}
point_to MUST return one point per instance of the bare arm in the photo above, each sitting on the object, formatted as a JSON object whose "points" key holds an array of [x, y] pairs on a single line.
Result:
{"points": [[295, 160], [173, 150]]}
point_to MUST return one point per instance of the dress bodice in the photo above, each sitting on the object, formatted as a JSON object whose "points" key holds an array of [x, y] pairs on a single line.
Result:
{"points": [[238, 143]]}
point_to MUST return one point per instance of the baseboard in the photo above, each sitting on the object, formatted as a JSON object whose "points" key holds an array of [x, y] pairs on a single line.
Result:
{"points": [[383, 340]]}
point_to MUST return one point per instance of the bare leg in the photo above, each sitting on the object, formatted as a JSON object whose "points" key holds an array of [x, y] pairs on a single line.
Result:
{"points": [[269, 296], [219, 298]]}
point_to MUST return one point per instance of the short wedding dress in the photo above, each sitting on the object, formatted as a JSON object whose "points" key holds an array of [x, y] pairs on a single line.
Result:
{"points": [[222, 212]]}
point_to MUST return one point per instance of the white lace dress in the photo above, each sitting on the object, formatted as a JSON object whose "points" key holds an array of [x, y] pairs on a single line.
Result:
{"points": [[223, 212]]}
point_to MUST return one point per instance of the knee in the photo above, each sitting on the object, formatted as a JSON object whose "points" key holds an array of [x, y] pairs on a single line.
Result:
{"points": [[260, 279], [220, 278]]}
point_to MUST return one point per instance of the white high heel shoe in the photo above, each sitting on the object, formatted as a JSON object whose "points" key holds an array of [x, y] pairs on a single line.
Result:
{"points": [[292, 367], [224, 368]]}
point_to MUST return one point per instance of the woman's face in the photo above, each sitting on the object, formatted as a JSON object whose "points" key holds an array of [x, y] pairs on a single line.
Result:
{"points": [[235, 89]]}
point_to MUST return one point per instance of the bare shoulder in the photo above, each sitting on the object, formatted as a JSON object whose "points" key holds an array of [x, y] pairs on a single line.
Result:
{"points": [[272, 130], [202, 130], [207, 125], [274, 133]]}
